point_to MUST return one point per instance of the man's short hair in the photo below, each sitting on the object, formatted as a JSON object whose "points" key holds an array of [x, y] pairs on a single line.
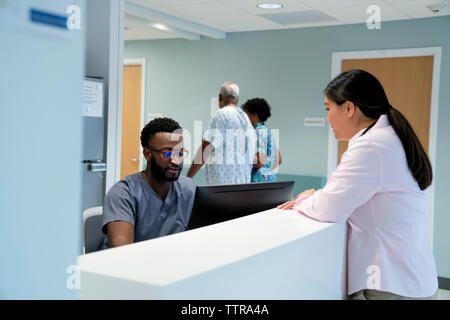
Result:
{"points": [[229, 90], [158, 125]]}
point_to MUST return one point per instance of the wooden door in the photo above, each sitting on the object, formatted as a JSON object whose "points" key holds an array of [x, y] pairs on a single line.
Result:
{"points": [[407, 82], [131, 120]]}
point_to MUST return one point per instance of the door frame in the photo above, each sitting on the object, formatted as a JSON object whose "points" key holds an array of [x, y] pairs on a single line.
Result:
{"points": [[114, 73], [138, 62], [336, 64]]}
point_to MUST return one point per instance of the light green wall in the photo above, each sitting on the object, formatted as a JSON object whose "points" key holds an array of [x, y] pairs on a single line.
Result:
{"points": [[290, 68]]}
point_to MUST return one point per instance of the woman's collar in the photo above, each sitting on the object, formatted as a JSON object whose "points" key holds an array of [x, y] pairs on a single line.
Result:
{"points": [[381, 122]]}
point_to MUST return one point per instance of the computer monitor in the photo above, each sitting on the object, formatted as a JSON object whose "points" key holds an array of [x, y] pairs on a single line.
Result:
{"points": [[220, 203]]}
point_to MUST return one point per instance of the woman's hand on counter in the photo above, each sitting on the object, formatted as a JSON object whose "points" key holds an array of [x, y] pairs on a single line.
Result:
{"points": [[299, 198], [287, 205]]}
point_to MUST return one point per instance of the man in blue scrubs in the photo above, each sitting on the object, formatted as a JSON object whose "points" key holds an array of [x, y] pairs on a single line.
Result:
{"points": [[157, 201]]}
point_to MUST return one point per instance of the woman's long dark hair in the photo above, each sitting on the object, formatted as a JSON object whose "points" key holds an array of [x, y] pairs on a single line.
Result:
{"points": [[367, 93]]}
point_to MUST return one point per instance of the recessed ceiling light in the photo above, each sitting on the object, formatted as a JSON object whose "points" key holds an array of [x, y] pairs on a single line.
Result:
{"points": [[159, 26], [438, 7], [269, 5]]}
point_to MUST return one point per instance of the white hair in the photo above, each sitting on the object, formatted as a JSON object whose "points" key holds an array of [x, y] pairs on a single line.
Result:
{"points": [[229, 89]]}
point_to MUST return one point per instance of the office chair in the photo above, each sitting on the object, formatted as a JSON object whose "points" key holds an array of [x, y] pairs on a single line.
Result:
{"points": [[92, 229]]}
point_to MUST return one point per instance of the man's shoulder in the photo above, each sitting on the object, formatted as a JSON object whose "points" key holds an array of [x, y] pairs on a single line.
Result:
{"points": [[233, 115], [222, 113], [127, 185], [186, 184], [229, 111]]}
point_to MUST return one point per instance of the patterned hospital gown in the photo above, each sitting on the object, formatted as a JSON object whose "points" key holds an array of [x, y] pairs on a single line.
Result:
{"points": [[265, 144], [231, 134]]}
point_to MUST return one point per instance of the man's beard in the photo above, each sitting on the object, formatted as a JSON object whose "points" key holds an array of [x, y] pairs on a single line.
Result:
{"points": [[160, 173]]}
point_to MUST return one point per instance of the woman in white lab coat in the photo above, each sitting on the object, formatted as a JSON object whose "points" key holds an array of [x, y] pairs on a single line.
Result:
{"points": [[379, 189]]}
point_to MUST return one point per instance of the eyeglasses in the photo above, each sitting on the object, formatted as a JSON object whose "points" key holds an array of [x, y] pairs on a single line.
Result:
{"points": [[168, 154]]}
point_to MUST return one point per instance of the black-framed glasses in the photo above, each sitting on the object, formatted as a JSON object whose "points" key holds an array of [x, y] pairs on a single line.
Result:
{"points": [[168, 153]]}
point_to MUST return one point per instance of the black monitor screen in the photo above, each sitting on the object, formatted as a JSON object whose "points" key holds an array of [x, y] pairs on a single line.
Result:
{"points": [[220, 203]]}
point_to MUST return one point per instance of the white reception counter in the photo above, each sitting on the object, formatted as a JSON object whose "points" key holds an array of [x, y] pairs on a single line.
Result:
{"points": [[274, 254]]}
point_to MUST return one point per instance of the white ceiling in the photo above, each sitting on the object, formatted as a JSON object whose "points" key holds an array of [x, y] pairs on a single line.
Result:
{"points": [[243, 15]]}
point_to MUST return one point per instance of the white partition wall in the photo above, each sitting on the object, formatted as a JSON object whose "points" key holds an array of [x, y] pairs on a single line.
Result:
{"points": [[274, 254], [41, 77]]}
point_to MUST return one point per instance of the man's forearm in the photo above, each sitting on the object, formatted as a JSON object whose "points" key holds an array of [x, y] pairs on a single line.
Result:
{"points": [[200, 157], [194, 169], [119, 241]]}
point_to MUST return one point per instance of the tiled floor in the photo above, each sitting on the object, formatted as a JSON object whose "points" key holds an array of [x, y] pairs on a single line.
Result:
{"points": [[443, 294]]}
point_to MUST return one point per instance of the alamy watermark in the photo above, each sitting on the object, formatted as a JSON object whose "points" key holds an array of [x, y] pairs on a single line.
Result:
{"points": [[374, 19], [374, 279], [74, 18], [73, 281], [229, 146]]}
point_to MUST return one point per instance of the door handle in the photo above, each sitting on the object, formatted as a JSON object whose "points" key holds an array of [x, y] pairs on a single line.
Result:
{"points": [[134, 160]]}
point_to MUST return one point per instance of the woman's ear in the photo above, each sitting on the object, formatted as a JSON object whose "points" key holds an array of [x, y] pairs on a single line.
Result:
{"points": [[350, 108]]}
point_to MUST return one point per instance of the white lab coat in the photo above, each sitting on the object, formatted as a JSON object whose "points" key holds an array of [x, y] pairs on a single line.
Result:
{"points": [[373, 189]]}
